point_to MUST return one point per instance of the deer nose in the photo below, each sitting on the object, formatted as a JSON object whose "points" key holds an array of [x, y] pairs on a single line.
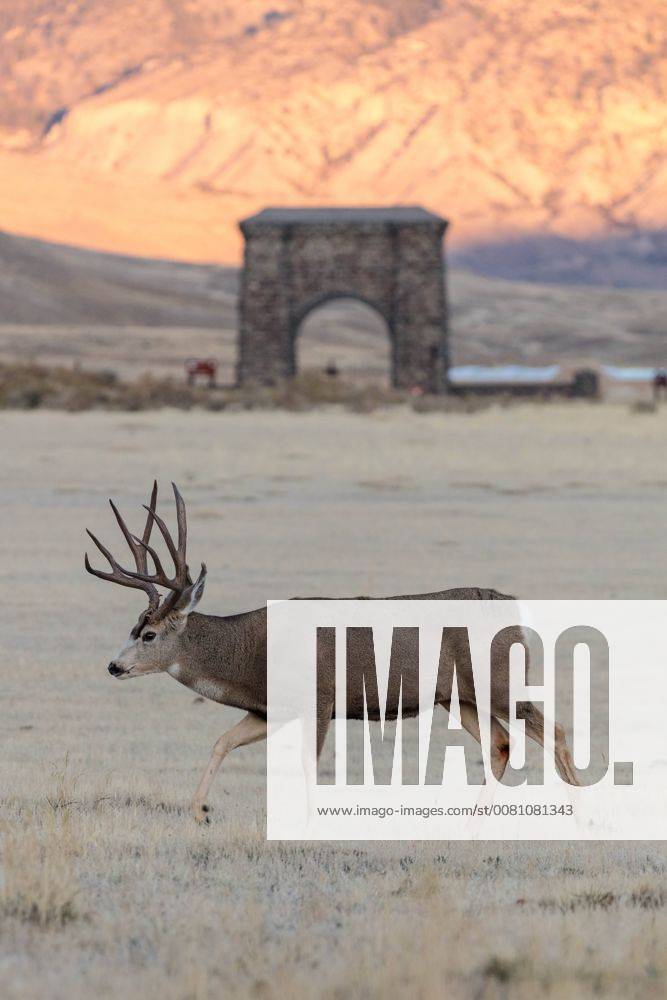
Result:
{"points": [[115, 670]]}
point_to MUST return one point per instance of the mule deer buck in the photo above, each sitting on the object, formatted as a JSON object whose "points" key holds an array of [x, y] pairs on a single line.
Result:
{"points": [[224, 658]]}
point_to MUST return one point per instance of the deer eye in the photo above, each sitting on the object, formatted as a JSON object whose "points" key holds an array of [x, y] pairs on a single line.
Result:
{"points": [[148, 636]]}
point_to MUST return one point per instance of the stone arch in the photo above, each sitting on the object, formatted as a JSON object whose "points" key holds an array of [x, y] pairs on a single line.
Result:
{"points": [[302, 311], [319, 302], [389, 258]]}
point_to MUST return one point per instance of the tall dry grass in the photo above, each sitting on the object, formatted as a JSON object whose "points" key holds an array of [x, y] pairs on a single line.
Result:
{"points": [[37, 881], [33, 386], [143, 902]]}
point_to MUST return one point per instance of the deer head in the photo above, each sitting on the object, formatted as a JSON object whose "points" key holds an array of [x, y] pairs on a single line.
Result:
{"points": [[155, 640]]}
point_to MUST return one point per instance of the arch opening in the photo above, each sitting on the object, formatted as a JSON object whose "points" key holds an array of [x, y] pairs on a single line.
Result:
{"points": [[346, 337]]}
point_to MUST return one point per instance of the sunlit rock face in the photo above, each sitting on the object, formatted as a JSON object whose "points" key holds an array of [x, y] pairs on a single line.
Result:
{"points": [[152, 127]]}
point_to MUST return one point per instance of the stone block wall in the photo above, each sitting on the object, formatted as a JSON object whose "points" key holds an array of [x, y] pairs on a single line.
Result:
{"points": [[392, 259]]}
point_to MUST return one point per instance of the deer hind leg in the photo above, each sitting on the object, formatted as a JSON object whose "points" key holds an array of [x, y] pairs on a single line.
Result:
{"points": [[499, 752], [324, 717], [500, 738], [250, 729], [535, 727]]}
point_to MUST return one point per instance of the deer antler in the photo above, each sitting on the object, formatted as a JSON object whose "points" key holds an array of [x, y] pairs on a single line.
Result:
{"points": [[140, 578], [118, 573], [181, 578]]}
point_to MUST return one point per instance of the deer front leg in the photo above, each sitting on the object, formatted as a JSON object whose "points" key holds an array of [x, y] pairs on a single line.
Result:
{"points": [[250, 729]]}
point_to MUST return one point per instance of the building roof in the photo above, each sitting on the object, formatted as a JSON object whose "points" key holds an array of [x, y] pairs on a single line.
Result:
{"points": [[391, 214]]}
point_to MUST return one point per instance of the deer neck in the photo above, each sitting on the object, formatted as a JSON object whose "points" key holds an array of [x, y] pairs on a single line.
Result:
{"points": [[224, 659]]}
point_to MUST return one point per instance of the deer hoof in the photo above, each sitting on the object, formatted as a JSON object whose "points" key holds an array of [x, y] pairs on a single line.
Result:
{"points": [[200, 814]]}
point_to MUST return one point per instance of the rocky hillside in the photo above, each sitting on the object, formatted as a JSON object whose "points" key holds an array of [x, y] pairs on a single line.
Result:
{"points": [[150, 127]]}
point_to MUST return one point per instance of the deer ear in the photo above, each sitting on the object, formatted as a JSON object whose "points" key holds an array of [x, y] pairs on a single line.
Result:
{"points": [[192, 595]]}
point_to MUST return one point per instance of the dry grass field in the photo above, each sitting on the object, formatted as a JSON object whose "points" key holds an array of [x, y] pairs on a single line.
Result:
{"points": [[109, 890]]}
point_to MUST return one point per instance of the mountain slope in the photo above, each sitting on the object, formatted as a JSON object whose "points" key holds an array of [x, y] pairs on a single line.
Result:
{"points": [[49, 284], [141, 125], [60, 304]]}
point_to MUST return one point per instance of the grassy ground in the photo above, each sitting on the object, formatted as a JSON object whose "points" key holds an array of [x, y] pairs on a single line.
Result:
{"points": [[107, 888], [31, 386]]}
